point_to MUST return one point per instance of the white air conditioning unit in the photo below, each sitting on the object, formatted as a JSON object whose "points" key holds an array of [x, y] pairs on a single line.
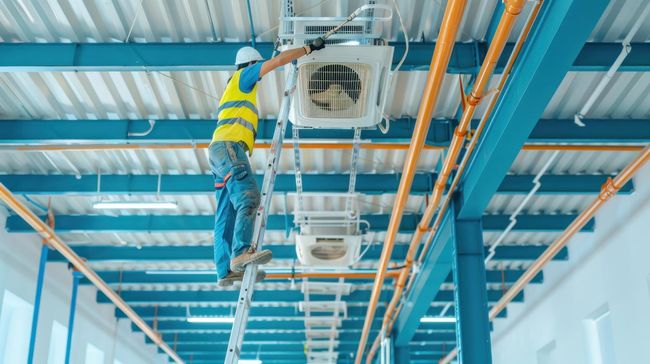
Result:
{"points": [[327, 238], [342, 86], [327, 250]]}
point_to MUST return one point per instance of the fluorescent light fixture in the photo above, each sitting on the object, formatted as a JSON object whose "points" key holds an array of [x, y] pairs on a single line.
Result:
{"points": [[210, 320], [351, 42], [438, 320], [249, 361], [134, 205]]}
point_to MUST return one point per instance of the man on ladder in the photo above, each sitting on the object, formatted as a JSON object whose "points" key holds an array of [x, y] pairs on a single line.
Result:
{"points": [[237, 194]]}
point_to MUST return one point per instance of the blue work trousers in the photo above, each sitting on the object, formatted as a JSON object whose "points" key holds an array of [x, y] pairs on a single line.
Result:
{"points": [[237, 201]]}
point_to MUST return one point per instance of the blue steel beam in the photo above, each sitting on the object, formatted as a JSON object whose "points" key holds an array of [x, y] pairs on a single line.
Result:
{"points": [[434, 270], [345, 337], [142, 277], [76, 277], [370, 184], [196, 223], [401, 130], [37, 302], [261, 312], [264, 296], [470, 296], [553, 46], [298, 346], [290, 324], [189, 131], [110, 253], [466, 57], [170, 312]]}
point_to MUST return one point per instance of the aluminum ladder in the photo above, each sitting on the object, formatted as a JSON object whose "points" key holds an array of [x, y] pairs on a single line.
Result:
{"points": [[247, 287]]}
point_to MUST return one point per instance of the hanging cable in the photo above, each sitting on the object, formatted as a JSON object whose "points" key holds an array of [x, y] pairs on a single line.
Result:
{"points": [[406, 37]]}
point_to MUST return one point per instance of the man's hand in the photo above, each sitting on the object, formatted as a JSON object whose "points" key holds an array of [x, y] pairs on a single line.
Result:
{"points": [[317, 44]]}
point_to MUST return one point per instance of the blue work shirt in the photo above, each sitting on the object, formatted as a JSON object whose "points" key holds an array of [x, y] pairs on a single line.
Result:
{"points": [[249, 77]]}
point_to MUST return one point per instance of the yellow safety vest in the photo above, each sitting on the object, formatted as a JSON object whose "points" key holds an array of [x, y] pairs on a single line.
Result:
{"points": [[237, 114]]}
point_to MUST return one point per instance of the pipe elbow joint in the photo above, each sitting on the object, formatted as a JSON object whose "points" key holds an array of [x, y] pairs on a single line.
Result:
{"points": [[473, 99], [514, 7]]}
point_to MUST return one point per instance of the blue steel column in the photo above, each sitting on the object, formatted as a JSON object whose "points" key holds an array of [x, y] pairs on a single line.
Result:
{"points": [[37, 301], [470, 295], [401, 354], [76, 277]]}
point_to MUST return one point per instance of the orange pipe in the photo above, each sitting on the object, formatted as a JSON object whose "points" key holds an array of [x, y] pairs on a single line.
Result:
{"points": [[439, 62], [333, 146], [471, 146], [55, 242], [97, 147], [512, 10], [609, 189]]}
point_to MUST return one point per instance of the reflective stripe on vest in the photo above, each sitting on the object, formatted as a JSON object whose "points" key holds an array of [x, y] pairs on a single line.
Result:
{"points": [[237, 114], [239, 121], [237, 104]]}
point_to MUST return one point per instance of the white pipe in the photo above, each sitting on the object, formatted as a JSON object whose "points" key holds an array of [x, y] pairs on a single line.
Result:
{"points": [[625, 51], [513, 218]]}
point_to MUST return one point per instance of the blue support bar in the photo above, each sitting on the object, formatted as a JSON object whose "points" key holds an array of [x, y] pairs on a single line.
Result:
{"points": [[196, 223], [112, 184], [369, 184], [200, 130], [203, 253], [433, 272], [142, 277], [191, 131], [266, 296], [466, 57], [37, 302], [470, 296], [346, 336], [402, 354], [180, 312], [553, 45], [250, 20], [76, 277]]}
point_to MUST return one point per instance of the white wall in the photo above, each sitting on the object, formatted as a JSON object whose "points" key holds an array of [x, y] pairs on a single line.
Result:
{"points": [[608, 269], [94, 323]]}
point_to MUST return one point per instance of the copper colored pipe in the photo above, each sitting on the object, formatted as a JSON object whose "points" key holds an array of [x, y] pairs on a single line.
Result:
{"points": [[333, 146], [55, 242], [470, 149], [512, 10], [609, 189], [97, 147], [439, 62]]}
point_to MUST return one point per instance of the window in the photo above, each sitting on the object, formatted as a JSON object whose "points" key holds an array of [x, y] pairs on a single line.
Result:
{"points": [[545, 353], [94, 355], [58, 341], [15, 328], [600, 338]]}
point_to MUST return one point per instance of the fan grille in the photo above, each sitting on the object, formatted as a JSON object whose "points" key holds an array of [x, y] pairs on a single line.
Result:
{"points": [[334, 90]]}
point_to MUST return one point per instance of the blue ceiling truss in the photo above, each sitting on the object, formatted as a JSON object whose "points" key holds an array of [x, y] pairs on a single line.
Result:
{"points": [[199, 130], [554, 48], [466, 57]]}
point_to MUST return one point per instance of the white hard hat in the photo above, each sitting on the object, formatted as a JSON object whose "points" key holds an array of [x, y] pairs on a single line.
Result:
{"points": [[247, 54]]}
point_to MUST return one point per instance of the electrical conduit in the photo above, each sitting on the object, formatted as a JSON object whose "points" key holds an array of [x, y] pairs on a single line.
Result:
{"points": [[439, 62]]}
